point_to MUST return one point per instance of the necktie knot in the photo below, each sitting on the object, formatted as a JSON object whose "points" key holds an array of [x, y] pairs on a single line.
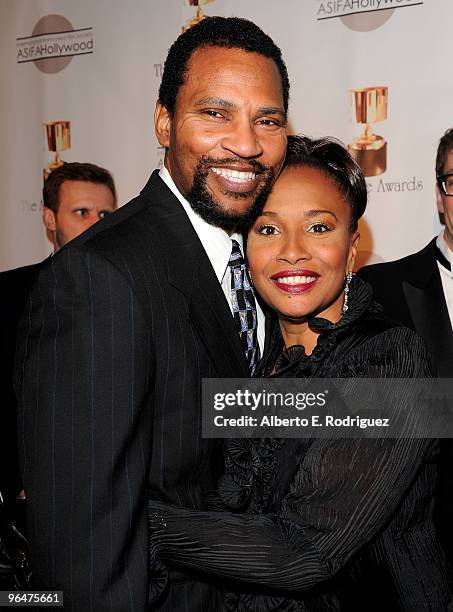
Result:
{"points": [[236, 259]]}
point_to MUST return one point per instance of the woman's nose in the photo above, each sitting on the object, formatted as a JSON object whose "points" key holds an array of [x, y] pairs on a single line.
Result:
{"points": [[294, 249]]}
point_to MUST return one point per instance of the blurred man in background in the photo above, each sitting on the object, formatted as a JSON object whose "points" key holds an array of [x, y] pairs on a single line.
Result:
{"points": [[418, 291], [75, 196]]}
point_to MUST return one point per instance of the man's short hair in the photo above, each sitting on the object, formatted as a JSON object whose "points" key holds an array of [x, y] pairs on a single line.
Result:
{"points": [[74, 171], [444, 148], [228, 32]]}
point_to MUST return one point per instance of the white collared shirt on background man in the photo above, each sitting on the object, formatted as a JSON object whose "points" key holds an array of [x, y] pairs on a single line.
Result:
{"points": [[446, 275]]}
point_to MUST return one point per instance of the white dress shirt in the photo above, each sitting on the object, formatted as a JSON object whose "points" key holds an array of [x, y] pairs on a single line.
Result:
{"points": [[446, 275], [217, 244]]}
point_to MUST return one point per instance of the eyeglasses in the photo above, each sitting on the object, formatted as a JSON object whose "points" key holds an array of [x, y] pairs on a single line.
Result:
{"points": [[446, 184]]}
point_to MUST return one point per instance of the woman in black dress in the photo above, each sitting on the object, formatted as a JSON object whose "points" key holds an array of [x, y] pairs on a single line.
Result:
{"points": [[318, 524]]}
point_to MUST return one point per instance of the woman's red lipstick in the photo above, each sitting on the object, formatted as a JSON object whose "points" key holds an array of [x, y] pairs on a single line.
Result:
{"points": [[295, 281]]}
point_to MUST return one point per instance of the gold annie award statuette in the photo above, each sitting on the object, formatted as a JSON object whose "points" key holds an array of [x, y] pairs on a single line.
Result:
{"points": [[369, 149], [58, 136], [199, 15]]}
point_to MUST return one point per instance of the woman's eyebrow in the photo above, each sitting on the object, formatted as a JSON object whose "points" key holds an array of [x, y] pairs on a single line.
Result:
{"points": [[318, 211]]}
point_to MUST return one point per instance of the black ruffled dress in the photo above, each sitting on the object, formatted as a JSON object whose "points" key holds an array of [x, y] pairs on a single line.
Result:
{"points": [[322, 524]]}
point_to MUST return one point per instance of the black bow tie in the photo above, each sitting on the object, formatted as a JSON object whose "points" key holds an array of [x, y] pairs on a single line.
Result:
{"points": [[442, 259]]}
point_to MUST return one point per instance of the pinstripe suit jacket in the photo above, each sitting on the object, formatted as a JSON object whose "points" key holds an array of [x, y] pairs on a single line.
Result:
{"points": [[122, 325]]}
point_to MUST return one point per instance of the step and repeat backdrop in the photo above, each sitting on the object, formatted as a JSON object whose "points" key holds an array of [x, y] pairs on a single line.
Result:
{"points": [[80, 80]]}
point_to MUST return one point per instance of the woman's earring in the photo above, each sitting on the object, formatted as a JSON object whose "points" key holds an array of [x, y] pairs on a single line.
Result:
{"points": [[347, 282]]}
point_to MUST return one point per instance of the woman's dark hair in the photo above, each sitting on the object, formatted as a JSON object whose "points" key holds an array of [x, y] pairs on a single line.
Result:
{"points": [[74, 171], [228, 32], [331, 158]]}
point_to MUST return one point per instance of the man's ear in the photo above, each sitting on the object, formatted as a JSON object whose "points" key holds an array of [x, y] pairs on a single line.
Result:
{"points": [[439, 200], [48, 217], [162, 125]]}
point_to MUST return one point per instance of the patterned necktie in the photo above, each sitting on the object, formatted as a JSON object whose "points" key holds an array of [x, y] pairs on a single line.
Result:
{"points": [[244, 306]]}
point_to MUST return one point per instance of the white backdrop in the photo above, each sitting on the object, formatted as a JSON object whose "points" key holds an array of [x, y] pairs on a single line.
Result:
{"points": [[107, 90]]}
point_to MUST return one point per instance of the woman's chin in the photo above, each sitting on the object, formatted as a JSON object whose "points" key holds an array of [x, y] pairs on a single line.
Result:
{"points": [[295, 317], [298, 316]]}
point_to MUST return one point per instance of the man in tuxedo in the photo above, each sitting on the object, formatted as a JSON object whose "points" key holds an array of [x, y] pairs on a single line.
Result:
{"points": [[126, 320], [418, 291], [75, 196]]}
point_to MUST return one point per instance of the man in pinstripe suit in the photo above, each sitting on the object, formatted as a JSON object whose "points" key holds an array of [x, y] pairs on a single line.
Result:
{"points": [[126, 320]]}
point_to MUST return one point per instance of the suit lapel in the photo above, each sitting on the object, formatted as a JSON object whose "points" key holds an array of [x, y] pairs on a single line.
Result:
{"points": [[190, 271], [426, 302]]}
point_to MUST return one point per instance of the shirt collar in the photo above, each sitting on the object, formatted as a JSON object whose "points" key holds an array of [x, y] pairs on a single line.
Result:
{"points": [[216, 242], [443, 247]]}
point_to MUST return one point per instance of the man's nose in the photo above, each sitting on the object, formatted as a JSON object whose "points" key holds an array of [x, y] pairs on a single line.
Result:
{"points": [[242, 139]]}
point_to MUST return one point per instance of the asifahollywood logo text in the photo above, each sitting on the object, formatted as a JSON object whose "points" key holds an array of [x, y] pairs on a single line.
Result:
{"points": [[53, 43]]}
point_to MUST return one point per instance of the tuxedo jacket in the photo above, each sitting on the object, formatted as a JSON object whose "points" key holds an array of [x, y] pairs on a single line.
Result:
{"points": [[410, 290], [15, 286], [122, 325]]}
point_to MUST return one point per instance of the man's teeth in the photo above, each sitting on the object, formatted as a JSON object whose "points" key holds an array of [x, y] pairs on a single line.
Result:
{"points": [[234, 176], [296, 280]]}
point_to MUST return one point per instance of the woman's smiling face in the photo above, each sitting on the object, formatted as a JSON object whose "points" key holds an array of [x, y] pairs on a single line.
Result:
{"points": [[301, 246]]}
